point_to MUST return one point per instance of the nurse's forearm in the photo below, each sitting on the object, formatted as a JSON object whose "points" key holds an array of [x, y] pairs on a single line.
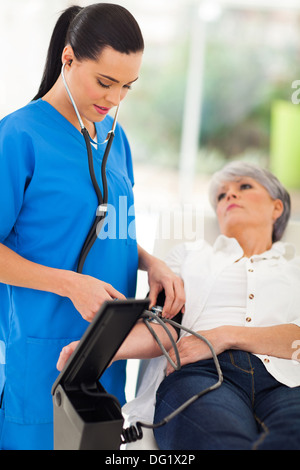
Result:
{"points": [[145, 259], [85, 292], [18, 271]]}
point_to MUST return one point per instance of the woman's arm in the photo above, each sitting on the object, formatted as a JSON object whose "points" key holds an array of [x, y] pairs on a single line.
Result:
{"points": [[139, 344], [271, 341], [86, 293], [160, 277]]}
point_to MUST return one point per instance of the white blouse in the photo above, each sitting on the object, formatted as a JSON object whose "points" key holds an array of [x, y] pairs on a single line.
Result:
{"points": [[226, 303]]}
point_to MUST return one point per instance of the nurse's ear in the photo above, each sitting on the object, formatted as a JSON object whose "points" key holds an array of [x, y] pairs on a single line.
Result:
{"points": [[67, 55]]}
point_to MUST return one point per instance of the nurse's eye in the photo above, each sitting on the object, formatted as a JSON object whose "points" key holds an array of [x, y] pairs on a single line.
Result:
{"points": [[103, 84]]}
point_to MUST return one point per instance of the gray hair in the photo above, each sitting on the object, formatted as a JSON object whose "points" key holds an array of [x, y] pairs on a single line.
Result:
{"points": [[264, 177]]}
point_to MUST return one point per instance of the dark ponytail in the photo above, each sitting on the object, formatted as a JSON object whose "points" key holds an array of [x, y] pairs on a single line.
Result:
{"points": [[88, 31], [56, 47]]}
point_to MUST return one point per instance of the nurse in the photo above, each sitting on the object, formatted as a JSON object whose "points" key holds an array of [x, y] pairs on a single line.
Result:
{"points": [[48, 204]]}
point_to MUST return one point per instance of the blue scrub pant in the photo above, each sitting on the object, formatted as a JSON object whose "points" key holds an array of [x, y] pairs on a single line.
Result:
{"points": [[250, 410]]}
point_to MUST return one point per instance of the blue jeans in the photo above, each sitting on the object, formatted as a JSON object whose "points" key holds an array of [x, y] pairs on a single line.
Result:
{"points": [[250, 410]]}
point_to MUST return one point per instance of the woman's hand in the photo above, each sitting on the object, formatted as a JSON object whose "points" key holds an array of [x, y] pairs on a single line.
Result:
{"points": [[88, 294], [192, 349], [65, 354], [161, 277]]}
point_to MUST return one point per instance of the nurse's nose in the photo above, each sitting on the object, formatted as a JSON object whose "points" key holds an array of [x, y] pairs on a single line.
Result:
{"points": [[114, 97]]}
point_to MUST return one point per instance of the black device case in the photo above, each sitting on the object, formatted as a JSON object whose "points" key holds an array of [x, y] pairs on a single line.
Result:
{"points": [[86, 417]]}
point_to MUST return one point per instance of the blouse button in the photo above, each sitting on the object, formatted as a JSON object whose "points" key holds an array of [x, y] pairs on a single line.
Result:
{"points": [[251, 296], [250, 270], [266, 360], [248, 319]]}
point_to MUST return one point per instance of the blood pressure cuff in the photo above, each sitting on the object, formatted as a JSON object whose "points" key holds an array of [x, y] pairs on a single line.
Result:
{"points": [[178, 317]]}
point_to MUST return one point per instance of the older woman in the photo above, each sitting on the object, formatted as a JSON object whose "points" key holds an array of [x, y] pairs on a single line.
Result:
{"points": [[243, 296]]}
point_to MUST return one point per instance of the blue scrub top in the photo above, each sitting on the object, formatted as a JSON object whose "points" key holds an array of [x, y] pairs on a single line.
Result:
{"points": [[48, 204]]}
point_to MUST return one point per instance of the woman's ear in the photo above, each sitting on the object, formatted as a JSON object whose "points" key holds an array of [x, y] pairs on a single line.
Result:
{"points": [[67, 55], [278, 209]]}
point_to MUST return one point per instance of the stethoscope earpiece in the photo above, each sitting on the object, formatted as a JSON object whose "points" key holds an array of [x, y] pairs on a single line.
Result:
{"points": [[77, 112]]}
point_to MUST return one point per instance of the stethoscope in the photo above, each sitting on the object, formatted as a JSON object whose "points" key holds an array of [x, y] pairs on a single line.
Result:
{"points": [[102, 199]]}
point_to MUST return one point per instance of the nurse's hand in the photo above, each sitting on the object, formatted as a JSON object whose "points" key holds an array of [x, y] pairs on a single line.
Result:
{"points": [[161, 277], [88, 294]]}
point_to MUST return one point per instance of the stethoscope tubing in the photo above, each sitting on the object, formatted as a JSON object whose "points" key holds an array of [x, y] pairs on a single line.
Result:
{"points": [[102, 199]]}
